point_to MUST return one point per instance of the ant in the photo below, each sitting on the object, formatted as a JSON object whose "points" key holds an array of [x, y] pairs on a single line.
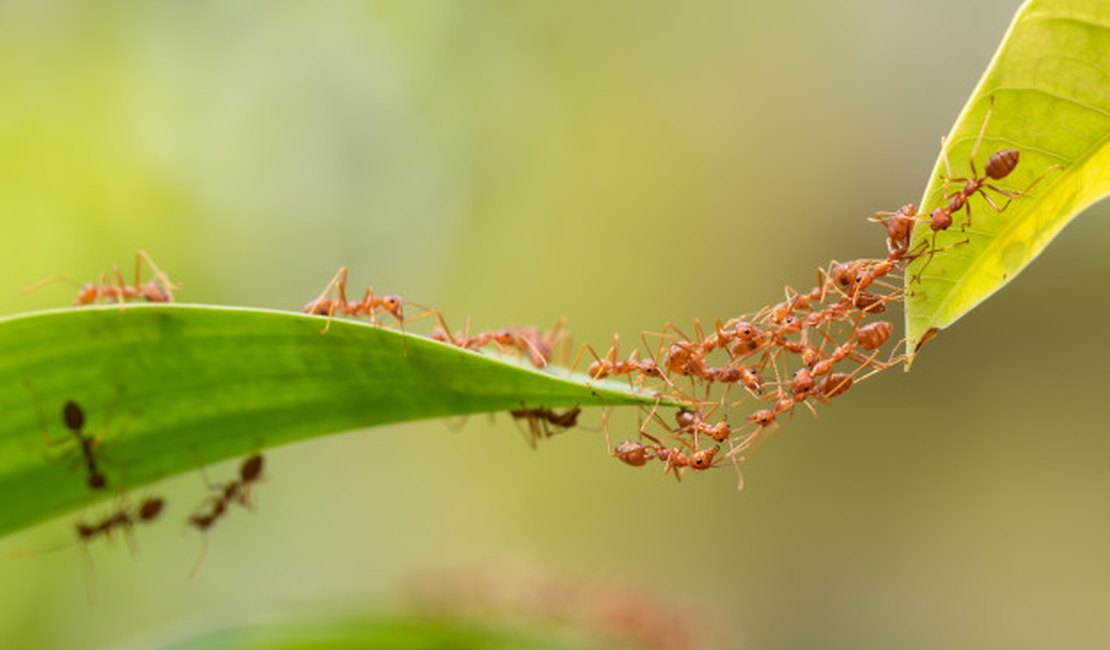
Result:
{"points": [[610, 365], [998, 166], [693, 422], [461, 339], [899, 227], [532, 342], [74, 418], [235, 491], [544, 422], [159, 290], [333, 300], [527, 340], [147, 512]]}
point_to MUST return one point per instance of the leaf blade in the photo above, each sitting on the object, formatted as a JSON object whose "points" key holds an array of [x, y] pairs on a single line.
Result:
{"points": [[1050, 80], [175, 386]]}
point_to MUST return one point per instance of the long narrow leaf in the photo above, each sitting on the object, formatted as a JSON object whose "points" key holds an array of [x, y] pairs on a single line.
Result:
{"points": [[167, 388]]}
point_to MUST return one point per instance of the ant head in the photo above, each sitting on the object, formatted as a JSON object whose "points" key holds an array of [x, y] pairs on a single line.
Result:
{"points": [[151, 508], [650, 368], [503, 337], [763, 418], [703, 459], [73, 416], [393, 305], [251, 469]]}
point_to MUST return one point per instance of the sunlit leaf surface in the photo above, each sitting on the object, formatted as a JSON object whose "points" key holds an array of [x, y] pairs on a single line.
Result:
{"points": [[1050, 81]]}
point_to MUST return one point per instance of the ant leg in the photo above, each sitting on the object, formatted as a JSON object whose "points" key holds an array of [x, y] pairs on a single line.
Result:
{"points": [[674, 328], [44, 428], [605, 428], [161, 277], [447, 330], [1011, 195], [121, 286], [200, 558], [982, 132], [45, 281], [735, 460], [587, 347], [427, 312], [336, 286]]}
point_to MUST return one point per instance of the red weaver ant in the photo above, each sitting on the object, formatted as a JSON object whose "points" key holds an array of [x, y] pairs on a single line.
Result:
{"points": [[610, 365], [159, 289]]}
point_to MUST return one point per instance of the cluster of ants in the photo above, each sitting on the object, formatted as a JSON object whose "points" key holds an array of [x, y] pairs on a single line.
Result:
{"points": [[810, 348], [125, 517]]}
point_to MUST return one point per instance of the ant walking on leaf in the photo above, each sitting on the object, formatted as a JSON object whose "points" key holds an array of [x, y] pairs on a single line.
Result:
{"points": [[158, 290]]}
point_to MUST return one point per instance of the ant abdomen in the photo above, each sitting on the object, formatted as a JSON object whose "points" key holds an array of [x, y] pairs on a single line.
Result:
{"points": [[1002, 163]]}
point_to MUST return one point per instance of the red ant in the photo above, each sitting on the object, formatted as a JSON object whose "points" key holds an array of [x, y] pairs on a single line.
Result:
{"points": [[692, 422], [676, 459], [160, 289], [899, 227], [333, 300], [998, 166], [610, 365], [461, 339], [544, 422], [527, 340]]}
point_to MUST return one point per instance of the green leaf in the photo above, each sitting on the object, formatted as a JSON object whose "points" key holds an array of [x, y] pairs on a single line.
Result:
{"points": [[176, 386], [1050, 81]]}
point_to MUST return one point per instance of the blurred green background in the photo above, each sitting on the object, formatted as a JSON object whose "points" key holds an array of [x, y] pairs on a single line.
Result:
{"points": [[622, 164]]}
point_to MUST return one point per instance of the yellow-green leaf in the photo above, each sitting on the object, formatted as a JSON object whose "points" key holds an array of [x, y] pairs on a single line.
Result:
{"points": [[1050, 83]]}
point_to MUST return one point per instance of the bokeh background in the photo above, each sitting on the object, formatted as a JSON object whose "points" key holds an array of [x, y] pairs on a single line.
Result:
{"points": [[620, 164]]}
